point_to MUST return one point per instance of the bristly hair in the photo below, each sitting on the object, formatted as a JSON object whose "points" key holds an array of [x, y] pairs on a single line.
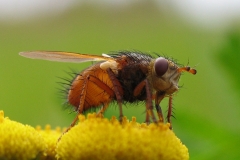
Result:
{"points": [[139, 56], [169, 58], [65, 86], [136, 56]]}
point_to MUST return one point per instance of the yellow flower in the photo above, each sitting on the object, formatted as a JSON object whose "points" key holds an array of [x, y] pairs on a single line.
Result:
{"points": [[92, 138], [50, 138], [99, 138], [18, 141]]}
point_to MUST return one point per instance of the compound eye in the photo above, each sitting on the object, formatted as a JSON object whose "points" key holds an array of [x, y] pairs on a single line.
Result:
{"points": [[161, 66]]}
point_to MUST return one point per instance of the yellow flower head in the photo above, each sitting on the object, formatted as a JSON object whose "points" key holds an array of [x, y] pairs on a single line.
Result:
{"points": [[92, 138], [50, 138], [18, 141], [99, 138]]}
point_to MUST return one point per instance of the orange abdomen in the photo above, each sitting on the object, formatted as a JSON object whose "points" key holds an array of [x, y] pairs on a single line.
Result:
{"points": [[92, 88]]}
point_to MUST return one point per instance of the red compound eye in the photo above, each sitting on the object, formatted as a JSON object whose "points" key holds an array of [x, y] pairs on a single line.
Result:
{"points": [[161, 66]]}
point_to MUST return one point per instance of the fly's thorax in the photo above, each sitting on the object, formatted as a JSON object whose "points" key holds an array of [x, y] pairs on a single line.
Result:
{"points": [[163, 75]]}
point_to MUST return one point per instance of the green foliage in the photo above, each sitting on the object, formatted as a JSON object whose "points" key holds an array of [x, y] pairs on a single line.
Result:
{"points": [[229, 56]]}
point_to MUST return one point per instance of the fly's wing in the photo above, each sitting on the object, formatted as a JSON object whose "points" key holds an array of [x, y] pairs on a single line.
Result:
{"points": [[64, 56]]}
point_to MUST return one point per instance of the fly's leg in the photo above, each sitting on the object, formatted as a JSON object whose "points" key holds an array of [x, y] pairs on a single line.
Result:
{"points": [[106, 89], [158, 99], [116, 86], [169, 111], [81, 102], [81, 105], [138, 89], [102, 110], [149, 105]]}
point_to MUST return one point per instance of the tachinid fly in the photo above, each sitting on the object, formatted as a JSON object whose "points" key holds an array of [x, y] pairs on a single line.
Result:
{"points": [[123, 76]]}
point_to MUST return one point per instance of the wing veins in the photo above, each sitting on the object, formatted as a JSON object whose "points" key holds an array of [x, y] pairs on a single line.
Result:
{"points": [[63, 56]]}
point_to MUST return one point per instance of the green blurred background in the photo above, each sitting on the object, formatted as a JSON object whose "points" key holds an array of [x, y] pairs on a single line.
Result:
{"points": [[206, 108]]}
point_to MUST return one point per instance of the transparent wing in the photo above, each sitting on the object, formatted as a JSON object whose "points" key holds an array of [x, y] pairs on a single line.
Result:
{"points": [[64, 56]]}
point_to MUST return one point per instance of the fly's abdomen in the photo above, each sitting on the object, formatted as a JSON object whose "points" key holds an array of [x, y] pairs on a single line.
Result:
{"points": [[91, 88]]}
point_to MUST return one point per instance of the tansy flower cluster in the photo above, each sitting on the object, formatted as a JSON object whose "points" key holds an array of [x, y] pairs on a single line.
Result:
{"points": [[92, 138], [18, 141]]}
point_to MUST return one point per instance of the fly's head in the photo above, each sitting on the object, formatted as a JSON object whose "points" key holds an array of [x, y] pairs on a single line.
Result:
{"points": [[164, 75]]}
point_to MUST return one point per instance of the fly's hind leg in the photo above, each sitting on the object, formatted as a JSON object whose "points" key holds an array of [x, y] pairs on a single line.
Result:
{"points": [[116, 86], [81, 105]]}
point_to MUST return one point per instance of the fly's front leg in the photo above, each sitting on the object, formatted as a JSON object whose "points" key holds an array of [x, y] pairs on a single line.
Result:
{"points": [[158, 99], [169, 111], [116, 87]]}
